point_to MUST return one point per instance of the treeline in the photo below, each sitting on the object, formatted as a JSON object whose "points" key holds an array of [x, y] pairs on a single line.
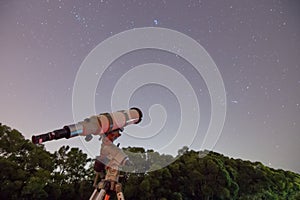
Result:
{"points": [[209, 175], [29, 171]]}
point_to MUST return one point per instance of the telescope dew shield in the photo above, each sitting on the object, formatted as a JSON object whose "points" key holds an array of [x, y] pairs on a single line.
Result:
{"points": [[107, 122], [96, 125]]}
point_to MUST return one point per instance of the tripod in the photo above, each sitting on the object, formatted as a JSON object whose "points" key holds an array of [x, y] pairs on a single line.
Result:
{"points": [[110, 159], [106, 186]]}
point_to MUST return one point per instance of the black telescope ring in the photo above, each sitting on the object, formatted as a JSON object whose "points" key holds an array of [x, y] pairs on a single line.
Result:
{"points": [[140, 114]]}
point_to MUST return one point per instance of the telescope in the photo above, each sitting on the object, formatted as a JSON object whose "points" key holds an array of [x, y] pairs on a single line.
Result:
{"points": [[104, 123]]}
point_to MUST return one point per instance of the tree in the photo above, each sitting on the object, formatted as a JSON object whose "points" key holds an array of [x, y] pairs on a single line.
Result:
{"points": [[25, 168], [73, 172], [30, 172]]}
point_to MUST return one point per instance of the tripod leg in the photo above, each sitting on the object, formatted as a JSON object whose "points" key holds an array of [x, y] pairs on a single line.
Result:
{"points": [[101, 195], [119, 192], [93, 196], [120, 196], [96, 179], [106, 197], [98, 195], [100, 191]]}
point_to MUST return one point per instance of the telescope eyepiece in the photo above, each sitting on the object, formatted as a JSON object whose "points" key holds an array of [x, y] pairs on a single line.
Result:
{"points": [[55, 135]]}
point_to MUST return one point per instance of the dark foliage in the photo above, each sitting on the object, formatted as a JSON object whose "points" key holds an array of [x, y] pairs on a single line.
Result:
{"points": [[30, 172]]}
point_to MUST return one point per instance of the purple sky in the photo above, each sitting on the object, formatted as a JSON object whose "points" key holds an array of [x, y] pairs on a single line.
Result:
{"points": [[255, 45]]}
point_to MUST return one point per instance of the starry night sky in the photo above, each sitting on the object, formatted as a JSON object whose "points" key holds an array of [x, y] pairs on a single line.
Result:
{"points": [[255, 45]]}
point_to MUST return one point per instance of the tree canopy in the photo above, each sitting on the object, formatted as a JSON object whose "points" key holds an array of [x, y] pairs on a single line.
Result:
{"points": [[29, 171]]}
